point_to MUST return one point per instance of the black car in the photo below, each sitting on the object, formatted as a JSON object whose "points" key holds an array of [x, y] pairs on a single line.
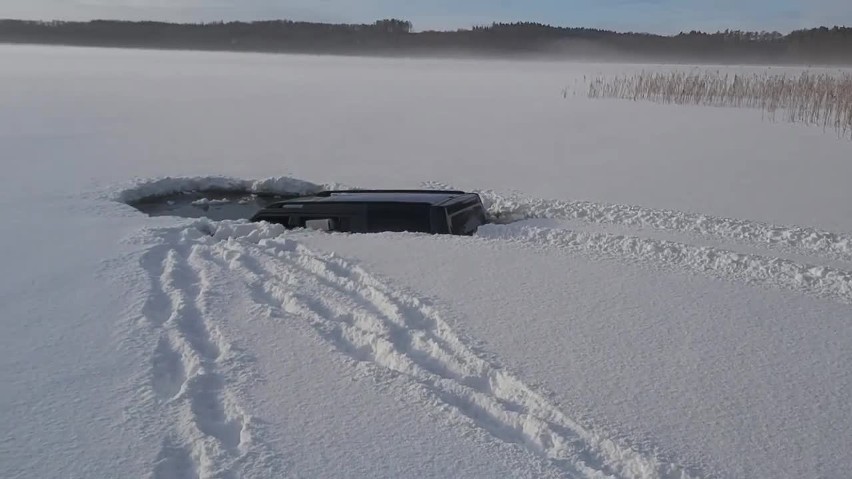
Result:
{"points": [[371, 211]]}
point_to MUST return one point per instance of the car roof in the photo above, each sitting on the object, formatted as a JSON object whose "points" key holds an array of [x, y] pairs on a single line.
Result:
{"points": [[430, 197]]}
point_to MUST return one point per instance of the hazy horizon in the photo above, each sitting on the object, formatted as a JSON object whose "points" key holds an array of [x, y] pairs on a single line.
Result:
{"points": [[650, 16]]}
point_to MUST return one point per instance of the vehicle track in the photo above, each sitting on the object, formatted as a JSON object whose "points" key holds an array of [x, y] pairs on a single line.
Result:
{"points": [[818, 268], [190, 376], [508, 208], [390, 331], [814, 280]]}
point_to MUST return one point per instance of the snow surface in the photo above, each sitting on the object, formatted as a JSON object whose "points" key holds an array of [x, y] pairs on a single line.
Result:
{"points": [[664, 293]]}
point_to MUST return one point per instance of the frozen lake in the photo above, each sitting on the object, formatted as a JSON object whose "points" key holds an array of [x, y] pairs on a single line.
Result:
{"points": [[667, 295]]}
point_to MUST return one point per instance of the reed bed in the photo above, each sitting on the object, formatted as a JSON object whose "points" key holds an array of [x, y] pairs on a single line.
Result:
{"points": [[815, 99]]}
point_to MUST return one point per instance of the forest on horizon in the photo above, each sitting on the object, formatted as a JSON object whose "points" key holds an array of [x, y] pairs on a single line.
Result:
{"points": [[830, 46]]}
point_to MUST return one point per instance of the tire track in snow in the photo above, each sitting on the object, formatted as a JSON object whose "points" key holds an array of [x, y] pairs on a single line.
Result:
{"points": [[211, 431], [820, 281], [390, 331], [174, 462], [167, 370], [505, 209]]}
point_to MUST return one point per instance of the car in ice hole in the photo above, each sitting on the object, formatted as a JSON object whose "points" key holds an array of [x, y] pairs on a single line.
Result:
{"points": [[372, 211]]}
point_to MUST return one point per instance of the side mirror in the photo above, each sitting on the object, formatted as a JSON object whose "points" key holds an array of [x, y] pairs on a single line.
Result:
{"points": [[325, 224]]}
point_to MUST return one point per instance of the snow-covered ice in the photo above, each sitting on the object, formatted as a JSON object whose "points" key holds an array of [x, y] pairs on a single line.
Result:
{"points": [[663, 292]]}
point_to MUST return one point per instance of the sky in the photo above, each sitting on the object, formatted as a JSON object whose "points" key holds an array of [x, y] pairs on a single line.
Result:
{"points": [[657, 16]]}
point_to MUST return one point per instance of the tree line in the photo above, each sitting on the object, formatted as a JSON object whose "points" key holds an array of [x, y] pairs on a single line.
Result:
{"points": [[396, 37]]}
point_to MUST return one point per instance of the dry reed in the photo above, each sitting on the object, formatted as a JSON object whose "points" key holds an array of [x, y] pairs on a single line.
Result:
{"points": [[814, 99]]}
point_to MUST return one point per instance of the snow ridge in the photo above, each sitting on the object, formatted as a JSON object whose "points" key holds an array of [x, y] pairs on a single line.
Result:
{"points": [[820, 281], [514, 207], [192, 371], [141, 189], [388, 331]]}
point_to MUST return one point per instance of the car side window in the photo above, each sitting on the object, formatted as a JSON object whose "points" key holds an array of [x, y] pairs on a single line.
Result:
{"points": [[332, 223], [401, 217]]}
